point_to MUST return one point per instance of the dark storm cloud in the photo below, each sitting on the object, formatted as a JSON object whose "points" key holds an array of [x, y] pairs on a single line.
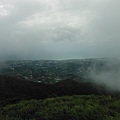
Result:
{"points": [[59, 29]]}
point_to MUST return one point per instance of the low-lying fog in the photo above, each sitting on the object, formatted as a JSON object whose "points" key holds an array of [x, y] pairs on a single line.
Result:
{"points": [[108, 75]]}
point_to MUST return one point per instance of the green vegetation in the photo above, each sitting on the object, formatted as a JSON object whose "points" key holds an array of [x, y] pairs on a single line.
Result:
{"points": [[52, 71], [26, 92], [85, 107], [13, 90]]}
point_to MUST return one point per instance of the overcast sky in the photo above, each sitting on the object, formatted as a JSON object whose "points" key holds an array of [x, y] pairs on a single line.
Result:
{"points": [[59, 29]]}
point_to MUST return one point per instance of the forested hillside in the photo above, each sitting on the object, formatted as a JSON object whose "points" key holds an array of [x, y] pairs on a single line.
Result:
{"points": [[13, 90]]}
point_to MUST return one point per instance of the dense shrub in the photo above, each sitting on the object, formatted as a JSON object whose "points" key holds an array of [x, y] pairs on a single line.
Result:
{"points": [[89, 107]]}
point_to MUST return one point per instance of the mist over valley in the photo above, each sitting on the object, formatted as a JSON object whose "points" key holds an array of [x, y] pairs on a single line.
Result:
{"points": [[59, 60]]}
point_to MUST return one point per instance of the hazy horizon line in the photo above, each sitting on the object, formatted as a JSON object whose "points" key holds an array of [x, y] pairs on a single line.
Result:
{"points": [[56, 59]]}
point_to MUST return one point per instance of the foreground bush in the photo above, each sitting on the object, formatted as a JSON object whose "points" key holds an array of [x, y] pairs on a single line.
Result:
{"points": [[65, 108]]}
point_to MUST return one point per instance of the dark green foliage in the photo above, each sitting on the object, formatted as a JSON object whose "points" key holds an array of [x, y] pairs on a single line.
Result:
{"points": [[65, 108], [13, 90]]}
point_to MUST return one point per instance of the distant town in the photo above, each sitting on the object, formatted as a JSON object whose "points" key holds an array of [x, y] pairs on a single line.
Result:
{"points": [[51, 71]]}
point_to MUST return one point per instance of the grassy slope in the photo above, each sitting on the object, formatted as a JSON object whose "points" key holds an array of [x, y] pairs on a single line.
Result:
{"points": [[85, 107]]}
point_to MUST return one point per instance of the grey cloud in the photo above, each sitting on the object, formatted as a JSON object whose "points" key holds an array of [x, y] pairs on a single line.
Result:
{"points": [[60, 29]]}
